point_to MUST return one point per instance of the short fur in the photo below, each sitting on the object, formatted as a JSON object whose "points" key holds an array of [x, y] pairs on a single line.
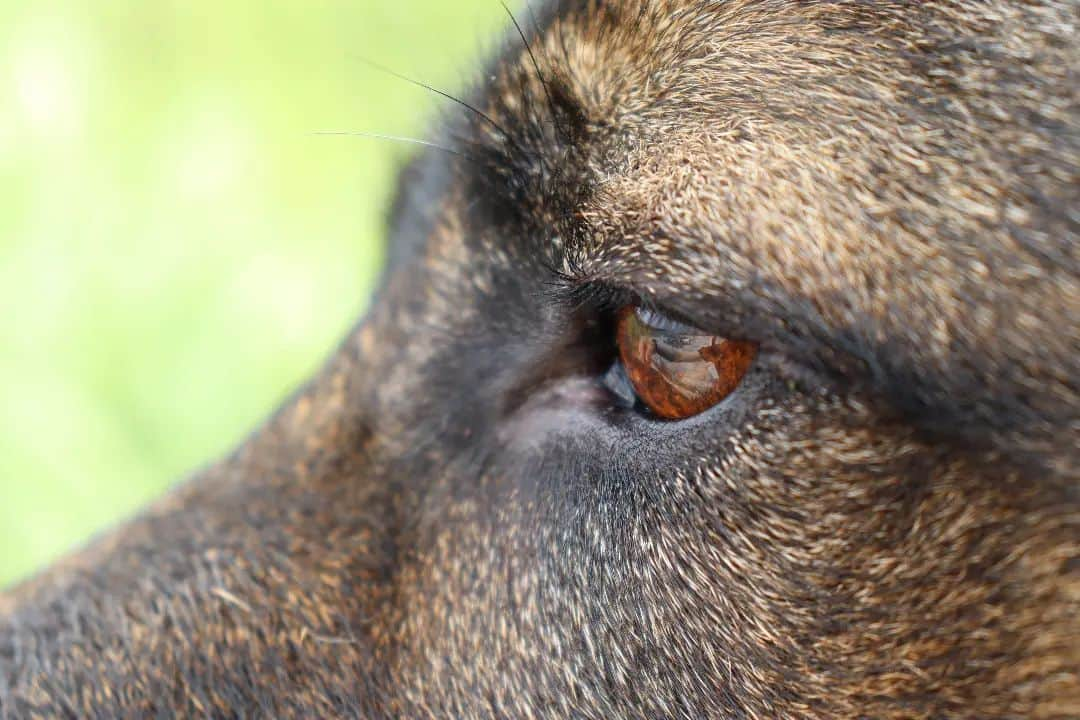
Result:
{"points": [[454, 519]]}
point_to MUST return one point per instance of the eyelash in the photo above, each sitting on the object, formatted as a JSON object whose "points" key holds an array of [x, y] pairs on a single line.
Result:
{"points": [[602, 298]]}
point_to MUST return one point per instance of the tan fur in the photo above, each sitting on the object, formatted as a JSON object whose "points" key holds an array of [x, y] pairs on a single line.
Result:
{"points": [[883, 522]]}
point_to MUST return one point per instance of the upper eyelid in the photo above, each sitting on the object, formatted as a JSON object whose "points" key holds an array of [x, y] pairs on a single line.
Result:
{"points": [[614, 294], [793, 357], [659, 320], [601, 293]]}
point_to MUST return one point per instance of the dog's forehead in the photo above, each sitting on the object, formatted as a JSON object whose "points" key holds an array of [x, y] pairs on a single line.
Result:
{"points": [[792, 130], [890, 180]]}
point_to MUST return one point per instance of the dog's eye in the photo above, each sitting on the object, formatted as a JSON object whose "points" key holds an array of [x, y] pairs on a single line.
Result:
{"points": [[677, 370]]}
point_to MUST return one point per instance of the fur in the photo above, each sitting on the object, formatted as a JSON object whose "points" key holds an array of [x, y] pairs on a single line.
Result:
{"points": [[451, 520]]}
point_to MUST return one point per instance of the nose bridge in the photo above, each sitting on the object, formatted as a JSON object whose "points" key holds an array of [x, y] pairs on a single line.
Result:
{"points": [[423, 331], [368, 384]]}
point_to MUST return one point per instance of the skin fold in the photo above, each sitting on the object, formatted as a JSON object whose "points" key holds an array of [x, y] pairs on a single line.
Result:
{"points": [[461, 516]]}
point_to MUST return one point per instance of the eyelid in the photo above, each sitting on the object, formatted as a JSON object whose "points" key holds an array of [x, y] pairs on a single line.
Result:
{"points": [[659, 321], [793, 355], [603, 294]]}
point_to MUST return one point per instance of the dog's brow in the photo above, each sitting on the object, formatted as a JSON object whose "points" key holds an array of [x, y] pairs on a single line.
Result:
{"points": [[832, 204]]}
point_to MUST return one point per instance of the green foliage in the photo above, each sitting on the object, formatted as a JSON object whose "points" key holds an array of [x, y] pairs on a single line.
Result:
{"points": [[179, 247]]}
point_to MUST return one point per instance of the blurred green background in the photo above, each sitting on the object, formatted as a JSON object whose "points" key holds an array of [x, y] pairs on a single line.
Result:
{"points": [[179, 247]]}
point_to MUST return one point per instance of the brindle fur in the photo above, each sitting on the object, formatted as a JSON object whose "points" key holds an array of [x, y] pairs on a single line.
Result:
{"points": [[452, 521]]}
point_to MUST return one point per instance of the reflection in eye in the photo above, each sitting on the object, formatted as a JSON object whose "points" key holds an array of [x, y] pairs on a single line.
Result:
{"points": [[678, 371]]}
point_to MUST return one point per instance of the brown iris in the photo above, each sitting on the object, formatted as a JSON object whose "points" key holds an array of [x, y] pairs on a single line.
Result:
{"points": [[678, 371]]}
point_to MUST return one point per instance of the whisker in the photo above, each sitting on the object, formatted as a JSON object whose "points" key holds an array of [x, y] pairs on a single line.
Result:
{"points": [[474, 110], [395, 138], [490, 166], [536, 66]]}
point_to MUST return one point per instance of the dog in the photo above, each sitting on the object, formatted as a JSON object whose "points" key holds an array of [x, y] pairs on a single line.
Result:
{"points": [[725, 365]]}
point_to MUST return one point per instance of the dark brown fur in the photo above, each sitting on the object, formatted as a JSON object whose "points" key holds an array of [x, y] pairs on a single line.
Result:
{"points": [[451, 520]]}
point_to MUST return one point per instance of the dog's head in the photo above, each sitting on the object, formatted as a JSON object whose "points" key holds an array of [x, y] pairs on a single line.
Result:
{"points": [[725, 366]]}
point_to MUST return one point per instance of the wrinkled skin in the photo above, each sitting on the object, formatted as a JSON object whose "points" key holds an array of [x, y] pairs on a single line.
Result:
{"points": [[459, 518]]}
